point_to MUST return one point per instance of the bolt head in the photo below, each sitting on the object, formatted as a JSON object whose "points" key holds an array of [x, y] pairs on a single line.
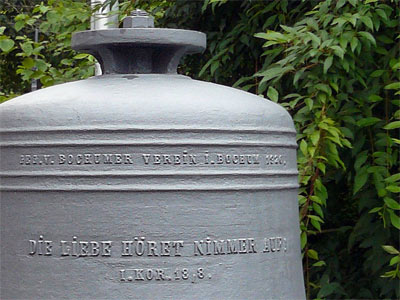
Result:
{"points": [[139, 19], [139, 12], [138, 22]]}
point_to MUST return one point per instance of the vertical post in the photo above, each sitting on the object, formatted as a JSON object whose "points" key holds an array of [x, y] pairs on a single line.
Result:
{"points": [[34, 82], [101, 19]]}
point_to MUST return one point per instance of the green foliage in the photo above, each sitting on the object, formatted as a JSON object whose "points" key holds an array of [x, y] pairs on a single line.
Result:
{"points": [[327, 75], [50, 60], [333, 64], [394, 261]]}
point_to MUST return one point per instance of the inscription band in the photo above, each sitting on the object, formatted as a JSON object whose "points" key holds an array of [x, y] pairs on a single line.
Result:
{"points": [[146, 174], [147, 188], [81, 143]]}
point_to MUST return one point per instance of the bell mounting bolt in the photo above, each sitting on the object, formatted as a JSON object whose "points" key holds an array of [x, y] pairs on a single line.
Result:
{"points": [[139, 19], [138, 47]]}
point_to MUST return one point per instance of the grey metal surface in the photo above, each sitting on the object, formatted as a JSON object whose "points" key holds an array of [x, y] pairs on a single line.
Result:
{"points": [[148, 186], [139, 50]]}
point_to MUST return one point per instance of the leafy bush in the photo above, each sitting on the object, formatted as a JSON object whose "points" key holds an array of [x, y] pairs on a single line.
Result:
{"points": [[337, 73], [50, 60]]}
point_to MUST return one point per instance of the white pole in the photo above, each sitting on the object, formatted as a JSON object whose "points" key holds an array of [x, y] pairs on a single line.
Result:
{"points": [[101, 20]]}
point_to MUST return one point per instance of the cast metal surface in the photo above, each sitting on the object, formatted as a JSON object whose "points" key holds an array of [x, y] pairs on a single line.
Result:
{"points": [[144, 184]]}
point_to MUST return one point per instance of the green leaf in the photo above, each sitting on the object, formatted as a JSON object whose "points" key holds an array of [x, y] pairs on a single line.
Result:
{"points": [[392, 203], [28, 63], [392, 125], [214, 58], [214, 67], [314, 38], [360, 180], [27, 48], [322, 167], [324, 87], [309, 102], [367, 36], [340, 21], [377, 73], [302, 200], [303, 147], [343, 42], [269, 21], [368, 121], [312, 254], [303, 239], [394, 260], [361, 159], [393, 86], [396, 66], [19, 25], [393, 178], [375, 98], [374, 210], [53, 16], [316, 218], [316, 224], [2, 28], [315, 137], [394, 219], [297, 76], [41, 65], [338, 51], [353, 43], [312, 23], [393, 188], [43, 8], [317, 208], [319, 264], [328, 63], [334, 86], [340, 3], [81, 56], [6, 44], [21, 17], [316, 199], [377, 169], [390, 274], [397, 141], [382, 14], [273, 72], [367, 22], [271, 35], [273, 94], [328, 288], [321, 97], [346, 65]]}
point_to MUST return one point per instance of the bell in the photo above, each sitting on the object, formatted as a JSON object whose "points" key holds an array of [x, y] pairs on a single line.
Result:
{"points": [[145, 184]]}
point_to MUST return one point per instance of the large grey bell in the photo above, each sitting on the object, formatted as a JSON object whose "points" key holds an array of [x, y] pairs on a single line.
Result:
{"points": [[145, 184]]}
